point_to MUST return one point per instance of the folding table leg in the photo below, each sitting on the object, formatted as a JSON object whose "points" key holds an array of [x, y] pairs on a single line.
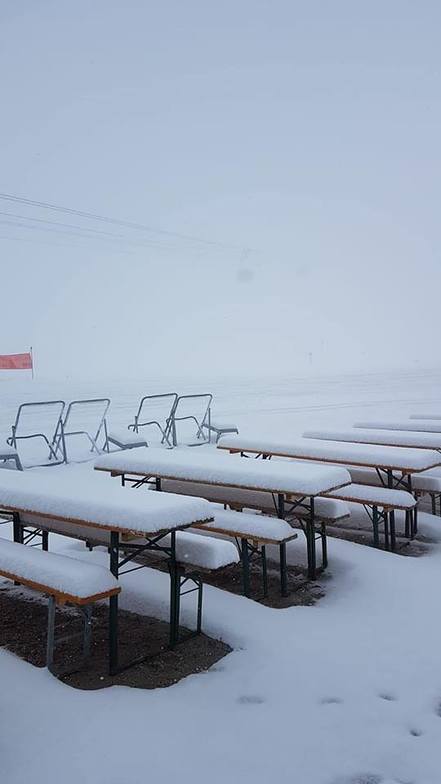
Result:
{"points": [[375, 526], [45, 540], [113, 605], [245, 566], [50, 633], [324, 545], [283, 570], [264, 571]]}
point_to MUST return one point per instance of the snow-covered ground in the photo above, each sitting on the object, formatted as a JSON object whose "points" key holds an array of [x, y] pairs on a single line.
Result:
{"points": [[345, 692]]}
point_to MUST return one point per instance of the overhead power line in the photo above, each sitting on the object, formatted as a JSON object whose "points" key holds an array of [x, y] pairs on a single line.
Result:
{"points": [[115, 221]]}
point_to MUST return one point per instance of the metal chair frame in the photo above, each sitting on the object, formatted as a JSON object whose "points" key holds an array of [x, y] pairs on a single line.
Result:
{"points": [[163, 429], [200, 424], [59, 442], [53, 452]]}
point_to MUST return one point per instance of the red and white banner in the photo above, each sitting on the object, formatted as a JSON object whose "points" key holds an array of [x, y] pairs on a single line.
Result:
{"points": [[16, 361]]}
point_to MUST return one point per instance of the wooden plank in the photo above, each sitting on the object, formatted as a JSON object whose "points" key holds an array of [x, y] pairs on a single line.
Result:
{"points": [[241, 535], [60, 596]]}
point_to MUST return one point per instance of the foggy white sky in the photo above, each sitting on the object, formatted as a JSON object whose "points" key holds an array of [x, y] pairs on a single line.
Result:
{"points": [[307, 131]]}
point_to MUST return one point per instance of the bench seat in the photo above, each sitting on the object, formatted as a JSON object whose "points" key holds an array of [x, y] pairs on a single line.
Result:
{"points": [[194, 550], [326, 509], [257, 527], [67, 579], [375, 496], [62, 579]]}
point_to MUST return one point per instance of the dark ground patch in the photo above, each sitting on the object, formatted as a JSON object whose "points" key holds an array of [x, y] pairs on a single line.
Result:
{"points": [[23, 623]]}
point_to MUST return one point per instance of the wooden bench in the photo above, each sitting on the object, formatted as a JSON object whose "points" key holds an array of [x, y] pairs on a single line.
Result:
{"points": [[382, 501], [424, 483], [326, 510], [252, 533], [63, 579]]}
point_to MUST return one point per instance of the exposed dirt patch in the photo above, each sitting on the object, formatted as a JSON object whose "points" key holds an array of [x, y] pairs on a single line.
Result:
{"points": [[23, 623]]}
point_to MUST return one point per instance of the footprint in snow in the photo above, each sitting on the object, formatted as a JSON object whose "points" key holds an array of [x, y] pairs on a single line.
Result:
{"points": [[416, 733], [388, 697], [250, 699], [331, 701], [438, 709]]}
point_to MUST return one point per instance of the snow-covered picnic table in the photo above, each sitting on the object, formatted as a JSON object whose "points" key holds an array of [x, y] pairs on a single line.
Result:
{"points": [[214, 468], [395, 465], [386, 458], [94, 509], [290, 484], [384, 437]]}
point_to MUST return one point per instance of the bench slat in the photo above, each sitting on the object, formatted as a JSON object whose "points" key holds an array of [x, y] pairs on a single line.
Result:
{"points": [[68, 579]]}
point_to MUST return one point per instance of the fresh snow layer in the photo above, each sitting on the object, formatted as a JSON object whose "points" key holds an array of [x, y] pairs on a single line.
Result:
{"points": [[205, 552], [60, 573], [426, 426], [349, 454], [424, 481], [127, 437], [399, 438], [213, 467], [375, 495], [103, 504], [248, 524]]}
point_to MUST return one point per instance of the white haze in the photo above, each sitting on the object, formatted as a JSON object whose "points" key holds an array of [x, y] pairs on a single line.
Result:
{"points": [[304, 136]]}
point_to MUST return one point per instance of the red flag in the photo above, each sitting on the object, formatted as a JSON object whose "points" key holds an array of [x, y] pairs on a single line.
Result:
{"points": [[16, 361]]}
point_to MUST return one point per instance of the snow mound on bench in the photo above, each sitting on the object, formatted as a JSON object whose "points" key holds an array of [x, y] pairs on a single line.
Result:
{"points": [[60, 573]]}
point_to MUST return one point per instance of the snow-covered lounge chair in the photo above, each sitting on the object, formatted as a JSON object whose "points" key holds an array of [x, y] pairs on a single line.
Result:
{"points": [[39, 420], [153, 411], [63, 580], [195, 408], [79, 414], [7, 454]]}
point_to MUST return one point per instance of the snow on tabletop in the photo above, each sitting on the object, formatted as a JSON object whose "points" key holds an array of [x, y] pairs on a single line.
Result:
{"points": [[105, 504], [349, 454], [376, 495], [424, 426], [385, 437], [214, 467], [61, 573]]}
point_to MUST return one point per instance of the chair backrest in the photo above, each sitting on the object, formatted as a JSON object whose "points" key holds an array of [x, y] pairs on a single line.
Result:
{"points": [[86, 416], [192, 407], [154, 409], [38, 418]]}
